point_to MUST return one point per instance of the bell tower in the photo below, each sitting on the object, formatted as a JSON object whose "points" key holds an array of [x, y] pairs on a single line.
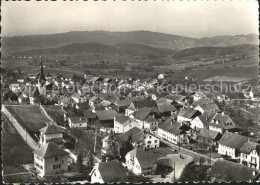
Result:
{"points": [[42, 81]]}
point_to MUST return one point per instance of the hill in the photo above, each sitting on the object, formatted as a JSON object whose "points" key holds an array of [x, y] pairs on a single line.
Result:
{"points": [[153, 39], [204, 52], [95, 48]]}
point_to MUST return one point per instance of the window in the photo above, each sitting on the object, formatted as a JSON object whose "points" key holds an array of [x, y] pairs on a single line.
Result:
{"points": [[56, 158], [62, 162], [155, 141], [149, 142], [56, 166]]}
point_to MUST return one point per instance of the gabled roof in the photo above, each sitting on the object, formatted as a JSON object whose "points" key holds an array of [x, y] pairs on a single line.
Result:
{"points": [[145, 103], [165, 107], [206, 117], [51, 129], [173, 127], [145, 158], [202, 101], [50, 150], [175, 97], [249, 146], [106, 114], [89, 115], [188, 113], [233, 140], [212, 134], [142, 113], [229, 171], [137, 135], [112, 171], [210, 107], [122, 119]]}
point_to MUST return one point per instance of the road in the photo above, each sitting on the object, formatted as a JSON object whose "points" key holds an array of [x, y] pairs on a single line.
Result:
{"points": [[20, 173], [188, 152]]}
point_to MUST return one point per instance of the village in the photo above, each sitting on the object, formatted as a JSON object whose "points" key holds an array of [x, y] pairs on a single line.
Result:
{"points": [[79, 127]]}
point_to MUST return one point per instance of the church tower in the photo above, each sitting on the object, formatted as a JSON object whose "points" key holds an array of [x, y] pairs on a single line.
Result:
{"points": [[42, 81]]}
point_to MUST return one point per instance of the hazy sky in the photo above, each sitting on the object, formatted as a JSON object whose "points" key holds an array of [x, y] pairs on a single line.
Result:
{"points": [[193, 18]]}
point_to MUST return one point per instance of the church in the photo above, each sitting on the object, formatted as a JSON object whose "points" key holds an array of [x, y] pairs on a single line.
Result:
{"points": [[41, 81]]}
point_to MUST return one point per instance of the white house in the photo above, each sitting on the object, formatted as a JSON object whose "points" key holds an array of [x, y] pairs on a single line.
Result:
{"points": [[221, 122], [202, 121], [141, 162], [199, 95], [145, 119], [174, 131], [187, 115], [50, 132], [123, 123], [250, 155], [230, 144], [50, 159], [77, 122]]}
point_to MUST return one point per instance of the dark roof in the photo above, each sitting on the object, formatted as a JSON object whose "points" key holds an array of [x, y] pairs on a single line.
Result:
{"points": [[174, 127], [112, 171], [188, 113], [142, 113], [89, 115], [212, 134], [51, 129], [136, 134], [165, 107], [50, 150], [233, 140], [229, 171], [106, 114], [206, 117], [122, 119], [202, 102], [249, 146], [145, 103], [145, 158]]}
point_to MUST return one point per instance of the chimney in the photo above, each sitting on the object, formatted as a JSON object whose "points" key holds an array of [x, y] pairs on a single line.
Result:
{"points": [[80, 119], [207, 118], [254, 173], [223, 113]]}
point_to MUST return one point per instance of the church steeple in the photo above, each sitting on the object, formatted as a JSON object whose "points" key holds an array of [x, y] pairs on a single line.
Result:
{"points": [[42, 78]]}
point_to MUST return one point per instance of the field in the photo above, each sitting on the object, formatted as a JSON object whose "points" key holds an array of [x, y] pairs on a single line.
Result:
{"points": [[30, 117], [15, 150], [226, 79]]}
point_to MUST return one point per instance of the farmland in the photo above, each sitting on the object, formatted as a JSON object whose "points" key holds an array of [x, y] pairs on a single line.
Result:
{"points": [[15, 150], [30, 117]]}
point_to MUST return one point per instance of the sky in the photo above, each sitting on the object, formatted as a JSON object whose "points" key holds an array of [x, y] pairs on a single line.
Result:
{"points": [[186, 18]]}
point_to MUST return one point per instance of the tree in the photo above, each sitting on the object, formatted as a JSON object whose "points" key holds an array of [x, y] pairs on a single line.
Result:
{"points": [[126, 147], [80, 163], [112, 146], [90, 160]]}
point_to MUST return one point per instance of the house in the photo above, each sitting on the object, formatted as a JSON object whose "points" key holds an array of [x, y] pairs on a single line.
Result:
{"points": [[106, 118], [227, 171], [202, 102], [221, 122], [230, 144], [108, 172], [123, 123], [79, 98], [50, 159], [250, 155], [77, 122], [137, 105], [136, 136], [207, 107], [165, 109], [141, 162], [145, 119], [209, 137], [199, 95], [65, 101], [187, 115], [174, 131], [51, 133], [202, 121], [82, 106]]}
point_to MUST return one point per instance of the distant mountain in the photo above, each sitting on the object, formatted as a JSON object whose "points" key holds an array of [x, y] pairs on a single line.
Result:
{"points": [[201, 52], [153, 39], [96, 48]]}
